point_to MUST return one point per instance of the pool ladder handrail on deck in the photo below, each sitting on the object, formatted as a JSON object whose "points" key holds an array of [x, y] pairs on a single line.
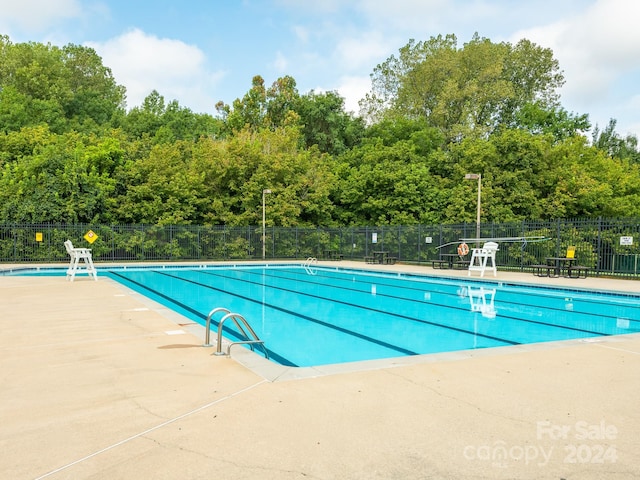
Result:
{"points": [[245, 330], [307, 265]]}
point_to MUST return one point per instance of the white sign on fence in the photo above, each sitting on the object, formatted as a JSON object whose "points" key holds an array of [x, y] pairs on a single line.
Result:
{"points": [[626, 240]]}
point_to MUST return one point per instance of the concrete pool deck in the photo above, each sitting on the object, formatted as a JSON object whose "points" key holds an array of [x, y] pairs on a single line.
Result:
{"points": [[100, 383]]}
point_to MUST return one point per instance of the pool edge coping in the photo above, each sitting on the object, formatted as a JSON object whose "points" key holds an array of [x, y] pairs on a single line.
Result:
{"points": [[273, 372]]}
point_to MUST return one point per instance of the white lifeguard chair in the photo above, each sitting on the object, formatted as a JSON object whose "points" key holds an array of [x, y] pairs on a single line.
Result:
{"points": [[76, 255], [481, 256]]}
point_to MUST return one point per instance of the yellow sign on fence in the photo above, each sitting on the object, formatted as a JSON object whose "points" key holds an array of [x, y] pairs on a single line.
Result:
{"points": [[90, 236], [38, 236]]}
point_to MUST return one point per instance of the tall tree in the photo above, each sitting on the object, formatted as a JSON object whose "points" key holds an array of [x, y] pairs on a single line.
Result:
{"points": [[555, 121], [67, 88], [389, 180], [325, 124], [261, 107], [610, 142], [467, 91], [67, 180], [94, 95]]}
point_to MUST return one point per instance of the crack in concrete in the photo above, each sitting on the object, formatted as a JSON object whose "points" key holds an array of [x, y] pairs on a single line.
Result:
{"points": [[149, 430]]}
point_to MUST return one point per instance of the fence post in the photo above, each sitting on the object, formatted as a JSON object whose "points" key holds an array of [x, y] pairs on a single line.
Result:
{"points": [[273, 241], [599, 249], [18, 241]]}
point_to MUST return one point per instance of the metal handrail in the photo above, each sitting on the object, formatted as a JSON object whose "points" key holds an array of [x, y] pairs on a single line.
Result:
{"points": [[207, 333], [307, 265], [239, 321]]}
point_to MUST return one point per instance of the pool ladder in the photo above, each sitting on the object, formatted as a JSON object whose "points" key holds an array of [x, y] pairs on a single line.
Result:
{"points": [[307, 265], [243, 327]]}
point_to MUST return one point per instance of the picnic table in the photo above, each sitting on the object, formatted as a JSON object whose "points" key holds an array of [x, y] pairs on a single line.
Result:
{"points": [[450, 260], [332, 255], [381, 257], [560, 265]]}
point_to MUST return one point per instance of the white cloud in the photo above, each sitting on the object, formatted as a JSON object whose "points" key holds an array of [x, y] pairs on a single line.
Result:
{"points": [[143, 62], [598, 49], [593, 48], [609, 31], [280, 63], [404, 14], [301, 33], [353, 89], [317, 7], [36, 15], [370, 48]]}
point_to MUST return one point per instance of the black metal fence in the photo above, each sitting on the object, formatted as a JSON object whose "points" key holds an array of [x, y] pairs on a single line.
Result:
{"points": [[609, 247]]}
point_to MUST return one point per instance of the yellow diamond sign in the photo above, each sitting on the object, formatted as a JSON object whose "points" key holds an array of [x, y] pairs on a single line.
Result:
{"points": [[90, 236]]}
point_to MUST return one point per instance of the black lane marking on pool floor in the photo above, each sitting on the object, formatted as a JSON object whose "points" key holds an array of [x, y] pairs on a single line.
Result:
{"points": [[292, 313], [535, 292], [350, 332], [502, 300], [301, 278], [279, 358], [531, 321]]}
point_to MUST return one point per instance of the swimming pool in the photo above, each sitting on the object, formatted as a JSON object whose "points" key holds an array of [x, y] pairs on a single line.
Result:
{"points": [[333, 315]]}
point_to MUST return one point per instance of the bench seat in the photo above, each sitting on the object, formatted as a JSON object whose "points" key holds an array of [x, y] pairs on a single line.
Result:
{"points": [[543, 270], [580, 271]]}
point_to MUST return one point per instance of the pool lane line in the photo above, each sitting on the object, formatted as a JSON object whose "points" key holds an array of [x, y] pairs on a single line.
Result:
{"points": [[302, 278], [298, 315], [531, 321], [335, 327], [539, 290], [279, 358], [149, 430], [589, 301]]}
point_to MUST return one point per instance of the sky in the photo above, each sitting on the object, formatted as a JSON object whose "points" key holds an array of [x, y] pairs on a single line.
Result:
{"points": [[199, 52]]}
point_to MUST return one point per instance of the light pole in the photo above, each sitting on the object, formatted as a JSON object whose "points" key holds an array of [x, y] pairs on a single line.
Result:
{"points": [[478, 176], [264, 220]]}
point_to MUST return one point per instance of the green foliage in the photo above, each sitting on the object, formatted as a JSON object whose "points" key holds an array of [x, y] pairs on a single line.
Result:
{"points": [[382, 185], [162, 123], [261, 107], [70, 153], [325, 124], [66, 88], [609, 141], [65, 180], [554, 121], [468, 91]]}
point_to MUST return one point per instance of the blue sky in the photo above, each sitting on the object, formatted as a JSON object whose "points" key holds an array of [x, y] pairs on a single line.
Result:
{"points": [[200, 52]]}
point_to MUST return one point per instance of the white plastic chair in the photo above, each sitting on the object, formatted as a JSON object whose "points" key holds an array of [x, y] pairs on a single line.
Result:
{"points": [[77, 254], [480, 257]]}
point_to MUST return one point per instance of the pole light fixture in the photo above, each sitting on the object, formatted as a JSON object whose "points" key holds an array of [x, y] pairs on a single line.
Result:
{"points": [[264, 221], [476, 176]]}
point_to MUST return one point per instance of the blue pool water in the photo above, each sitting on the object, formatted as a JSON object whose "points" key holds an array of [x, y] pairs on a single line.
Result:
{"points": [[329, 316]]}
